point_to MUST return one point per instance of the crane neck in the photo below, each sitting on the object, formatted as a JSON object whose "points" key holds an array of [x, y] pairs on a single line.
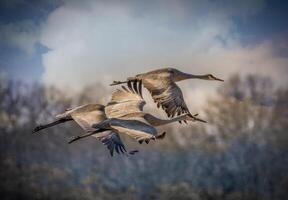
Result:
{"points": [[193, 76], [185, 76], [154, 121]]}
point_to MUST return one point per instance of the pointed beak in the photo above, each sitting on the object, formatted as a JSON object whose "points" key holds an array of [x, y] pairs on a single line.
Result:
{"points": [[218, 79], [196, 118], [200, 120]]}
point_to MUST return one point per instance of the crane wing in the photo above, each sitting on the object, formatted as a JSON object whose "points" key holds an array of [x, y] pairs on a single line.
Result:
{"points": [[112, 141], [87, 115], [125, 111], [124, 102], [137, 129], [166, 93]]}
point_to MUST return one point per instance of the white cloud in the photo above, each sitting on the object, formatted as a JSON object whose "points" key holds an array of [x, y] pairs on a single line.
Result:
{"points": [[106, 40]]}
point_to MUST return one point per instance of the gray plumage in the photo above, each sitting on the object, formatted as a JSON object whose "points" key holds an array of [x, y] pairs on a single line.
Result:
{"points": [[162, 86], [122, 115], [125, 114], [85, 116]]}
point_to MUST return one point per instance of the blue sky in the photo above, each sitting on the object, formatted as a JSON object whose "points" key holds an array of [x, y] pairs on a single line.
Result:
{"points": [[72, 43]]}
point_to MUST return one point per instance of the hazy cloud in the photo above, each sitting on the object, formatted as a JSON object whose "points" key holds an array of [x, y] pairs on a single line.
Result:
{"points": [[106, 40]]}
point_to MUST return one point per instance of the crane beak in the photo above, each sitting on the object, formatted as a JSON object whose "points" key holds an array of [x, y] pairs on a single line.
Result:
{"points": [[200, 120], [194, 118], [218, 79]]}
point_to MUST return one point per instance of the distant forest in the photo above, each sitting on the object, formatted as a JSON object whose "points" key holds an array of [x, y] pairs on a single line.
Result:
{"points": [[241, 154]]}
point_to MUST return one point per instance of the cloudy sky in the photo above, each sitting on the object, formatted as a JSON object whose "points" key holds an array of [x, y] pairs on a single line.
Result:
{"points": [[68, 43]]}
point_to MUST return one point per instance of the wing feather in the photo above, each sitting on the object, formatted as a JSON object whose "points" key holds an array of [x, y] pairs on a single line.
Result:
{"points": [[133, 127], [123, 102], [168, 95], [87, 115], [125, 113], [112, 141]]}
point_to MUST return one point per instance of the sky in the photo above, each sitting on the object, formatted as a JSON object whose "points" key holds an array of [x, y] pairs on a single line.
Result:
{"points": [[69, 43]]}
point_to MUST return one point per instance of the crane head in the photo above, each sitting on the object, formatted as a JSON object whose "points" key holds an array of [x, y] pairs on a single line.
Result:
{"points": [[212, 78], [177, 75]]}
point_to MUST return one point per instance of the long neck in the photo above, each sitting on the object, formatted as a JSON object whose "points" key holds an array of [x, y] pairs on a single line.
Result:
{"points": [[185, 76], [193, 76], [154, 121]]}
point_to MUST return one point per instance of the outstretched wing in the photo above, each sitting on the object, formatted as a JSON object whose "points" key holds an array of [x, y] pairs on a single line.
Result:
{"points": [[112, 141], [171, 100], [166, 93], [124, 102], [125, 111], [137, 129], [87, 115]]}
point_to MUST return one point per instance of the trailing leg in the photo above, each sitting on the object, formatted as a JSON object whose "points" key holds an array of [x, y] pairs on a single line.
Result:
{"points": [[118, 82], [129, 79], [78, 137]]}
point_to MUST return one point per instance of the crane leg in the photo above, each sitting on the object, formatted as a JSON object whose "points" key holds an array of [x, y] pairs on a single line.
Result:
{"points": [[118, 82], [78, 137], [129, 79]]}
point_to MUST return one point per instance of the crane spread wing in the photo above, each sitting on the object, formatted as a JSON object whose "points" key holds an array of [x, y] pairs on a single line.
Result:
{"points": [[137, 129], [124, 102], [126, 109], [87, 115], [112, 141], [166, 93], [171, 100]]}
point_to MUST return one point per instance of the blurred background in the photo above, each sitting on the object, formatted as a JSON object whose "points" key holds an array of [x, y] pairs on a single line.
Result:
{"points": [[58, 54]]}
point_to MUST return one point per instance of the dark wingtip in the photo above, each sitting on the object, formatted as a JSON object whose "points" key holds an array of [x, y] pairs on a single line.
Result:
{"points": [[122, 148], [161, 136], [129, 84], [135, 87], [133, 152], [140, 88]]}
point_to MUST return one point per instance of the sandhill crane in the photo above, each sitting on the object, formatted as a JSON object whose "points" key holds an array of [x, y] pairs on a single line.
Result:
{"points": [[85, 116], [123, 114], [162, 86]]}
